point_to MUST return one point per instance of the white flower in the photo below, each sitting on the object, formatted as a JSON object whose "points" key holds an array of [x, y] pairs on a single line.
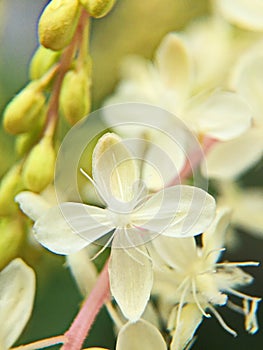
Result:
{"points": [[140, 335], [131, 218], [197, 282], [228, 160], [17, 291], [247, 14], [169, 83]]}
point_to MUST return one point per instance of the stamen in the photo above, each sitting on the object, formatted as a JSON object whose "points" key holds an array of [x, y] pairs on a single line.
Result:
{"points": [[241, 263], [83, 172], [197, 301], [136, 248], [179, 311], [251, 323], [242, 295], [214, 251], [221, 321], [235, 307], [104, 247]]}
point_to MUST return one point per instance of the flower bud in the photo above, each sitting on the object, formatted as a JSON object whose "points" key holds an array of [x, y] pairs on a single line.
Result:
{"points": [[75, 95], [39, 167], [57, 23], [11, 184], [42, 61], [24, 109], [11, 237], [98, 8]]}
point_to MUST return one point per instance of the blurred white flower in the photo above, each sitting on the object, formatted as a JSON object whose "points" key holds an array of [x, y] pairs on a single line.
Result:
{"points": [[131, 218], [169, 83], [227, 160], [247, 14], [198, 283], [17, 291]]}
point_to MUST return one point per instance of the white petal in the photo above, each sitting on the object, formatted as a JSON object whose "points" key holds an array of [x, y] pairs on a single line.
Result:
{"points": [[176, 252], [32, 204], [244, 13], [214, 238], [248, 81], [130, 280], [114, 171], [190, 319], [68, 228], [173, 62], [230, 159], [223, 116], [17, 290], [83, 270], [178, 211], [141, 335]]}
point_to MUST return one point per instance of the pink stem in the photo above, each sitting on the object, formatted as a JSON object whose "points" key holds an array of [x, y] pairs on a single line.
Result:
{"points": [[80, 327], [193, 161]]}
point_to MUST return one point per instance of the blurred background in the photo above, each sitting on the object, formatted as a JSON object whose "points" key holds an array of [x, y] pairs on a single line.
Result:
{"points": [[132, 27]]}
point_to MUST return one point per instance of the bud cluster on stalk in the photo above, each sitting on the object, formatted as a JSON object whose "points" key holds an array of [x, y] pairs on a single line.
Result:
{"points": [[60, 70]]}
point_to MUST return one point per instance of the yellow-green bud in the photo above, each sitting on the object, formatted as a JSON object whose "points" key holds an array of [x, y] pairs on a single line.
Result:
{"points": [[38, 170], [57, 23], [75, 95], [98, 8], [24, 109], [11, 238], [11, 184], [42, 61]]}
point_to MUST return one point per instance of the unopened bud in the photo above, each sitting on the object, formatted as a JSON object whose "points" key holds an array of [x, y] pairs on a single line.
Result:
{"points": [[58, 22], [24, 109], [98, 8], [11, 184], [11, 237], [39, 167], [75, 95], [42, 61]]}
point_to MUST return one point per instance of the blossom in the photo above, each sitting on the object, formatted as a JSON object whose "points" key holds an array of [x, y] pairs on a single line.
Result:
{"points": [[131, 218], [196, 282], [247, 14], [228, 160], [17, 291], [169, 82], [140, 335]]}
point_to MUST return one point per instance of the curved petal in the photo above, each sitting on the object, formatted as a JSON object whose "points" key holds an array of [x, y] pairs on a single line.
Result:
{"points": [[223, 116], [176, 252], [190, 319], [230, 159], [247, 14], [68, 228], [114, 171], [173, 62], [32, 204], [140, 335], [17, 291], [131, 279], [178, 211]]}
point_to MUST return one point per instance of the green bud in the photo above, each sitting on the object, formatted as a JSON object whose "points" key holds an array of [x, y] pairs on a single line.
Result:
{"points": [[11, 238], [24, 109], [39, 167], [42, 61], [10, 186], [58, 23], [98, 8], [75, 95]]}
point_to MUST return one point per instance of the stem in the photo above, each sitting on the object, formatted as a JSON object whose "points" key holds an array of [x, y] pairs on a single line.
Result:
{"points": [[80, 327], [40, 344], [64, 65]]}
